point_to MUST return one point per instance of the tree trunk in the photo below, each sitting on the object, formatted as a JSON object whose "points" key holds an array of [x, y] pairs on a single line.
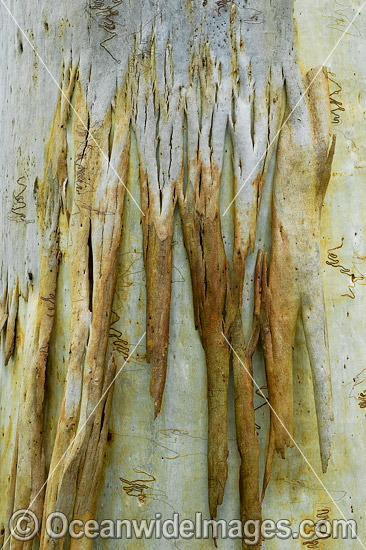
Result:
{"points": [[137, 143]]}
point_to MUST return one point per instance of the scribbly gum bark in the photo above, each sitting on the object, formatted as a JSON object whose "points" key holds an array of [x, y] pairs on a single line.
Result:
{"points": [[192, 75], [305, 154]]}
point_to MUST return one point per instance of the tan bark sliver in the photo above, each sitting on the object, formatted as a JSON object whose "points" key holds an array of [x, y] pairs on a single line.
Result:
{"points": [[295, 281]]}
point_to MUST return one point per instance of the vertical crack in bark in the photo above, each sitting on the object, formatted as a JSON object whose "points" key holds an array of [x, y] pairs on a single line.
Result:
{"points": [[10, 320]]}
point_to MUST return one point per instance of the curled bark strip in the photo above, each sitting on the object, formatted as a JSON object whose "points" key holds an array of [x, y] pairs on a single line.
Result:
{"points": [[305, 154], [11, 323]]}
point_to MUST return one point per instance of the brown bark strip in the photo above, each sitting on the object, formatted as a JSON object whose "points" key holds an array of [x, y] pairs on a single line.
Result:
{"points": [[199, 206], [158, 262], [210, 281], [283, 314], [305, 154], [266, 340], [159, 130], [247, 439], [11, 323]]}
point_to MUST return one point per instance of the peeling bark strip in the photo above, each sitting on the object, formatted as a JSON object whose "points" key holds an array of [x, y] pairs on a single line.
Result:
{"points": [[87, 490], [210, 281], [267, 345], [95, 231], [200, 212], [3, 313], [305, 154], [158, 125], [158, 262], [246, 434], [30, 473]]}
